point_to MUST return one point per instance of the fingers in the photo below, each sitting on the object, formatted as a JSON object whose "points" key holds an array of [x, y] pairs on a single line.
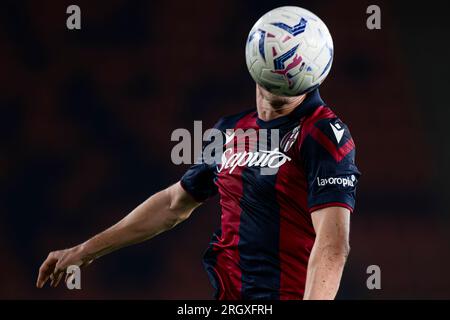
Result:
{"points": [[46, 269], [86, 263], [52, 279], [57, 278], [58, 272], [54, 267]]}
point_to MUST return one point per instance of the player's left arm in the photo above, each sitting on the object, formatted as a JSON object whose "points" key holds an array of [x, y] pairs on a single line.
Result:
{"points": [[329, 253], [328, 152]]}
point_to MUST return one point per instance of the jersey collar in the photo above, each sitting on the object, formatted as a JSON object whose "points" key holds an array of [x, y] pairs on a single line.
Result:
{"points": [[311, 103]]}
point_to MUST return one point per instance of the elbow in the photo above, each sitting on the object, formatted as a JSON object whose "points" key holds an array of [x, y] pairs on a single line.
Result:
{"points": [[341, 247], [344, 250], [177, 213], [179, 216], [336, 252], [173, 218], [179, 208]]}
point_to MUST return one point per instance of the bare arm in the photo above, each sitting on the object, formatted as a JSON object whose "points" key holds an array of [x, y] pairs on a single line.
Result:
{"points": [[329, 253], [157, 214]]}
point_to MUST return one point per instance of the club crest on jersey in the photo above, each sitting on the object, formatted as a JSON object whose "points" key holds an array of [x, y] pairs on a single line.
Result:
{"points": [[289, 139]]}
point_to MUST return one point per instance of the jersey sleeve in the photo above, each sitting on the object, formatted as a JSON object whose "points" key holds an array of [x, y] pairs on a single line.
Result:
{"points": [[199, 179], [328, 154]]}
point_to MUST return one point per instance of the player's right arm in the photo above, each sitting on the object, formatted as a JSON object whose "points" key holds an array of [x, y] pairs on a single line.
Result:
{"points": [[159, 213]]}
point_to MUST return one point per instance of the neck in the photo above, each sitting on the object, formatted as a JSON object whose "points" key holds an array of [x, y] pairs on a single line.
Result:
{"points": [[270, 106]]}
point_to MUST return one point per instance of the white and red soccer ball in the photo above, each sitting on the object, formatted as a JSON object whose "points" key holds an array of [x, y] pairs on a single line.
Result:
{"points": [[289, 51]]}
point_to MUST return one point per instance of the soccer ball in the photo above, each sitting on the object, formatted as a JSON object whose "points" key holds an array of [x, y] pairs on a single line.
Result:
{"points": [[289, 51]]}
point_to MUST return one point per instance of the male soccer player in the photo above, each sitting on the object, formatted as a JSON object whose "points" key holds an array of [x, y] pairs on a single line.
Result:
{"points": [[284, 234]]}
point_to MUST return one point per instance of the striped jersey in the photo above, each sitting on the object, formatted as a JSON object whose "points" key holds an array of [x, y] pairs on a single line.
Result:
{"points": [[262, 247]]}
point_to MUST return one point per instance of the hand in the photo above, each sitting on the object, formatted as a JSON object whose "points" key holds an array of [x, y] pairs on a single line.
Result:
{"points": [[56, 264]]}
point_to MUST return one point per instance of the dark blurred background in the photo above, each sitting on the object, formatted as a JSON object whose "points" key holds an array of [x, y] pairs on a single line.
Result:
{"points": [[86, 118]]}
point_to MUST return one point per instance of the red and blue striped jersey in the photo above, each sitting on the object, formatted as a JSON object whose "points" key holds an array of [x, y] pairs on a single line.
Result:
{"points": [[262, 247]]}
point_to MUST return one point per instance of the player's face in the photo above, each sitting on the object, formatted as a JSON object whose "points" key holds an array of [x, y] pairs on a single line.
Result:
{"points": [[274, 100]]}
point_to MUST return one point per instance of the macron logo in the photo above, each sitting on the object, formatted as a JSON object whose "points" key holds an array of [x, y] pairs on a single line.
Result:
{"points": [[229, 137], [338, 131]]}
